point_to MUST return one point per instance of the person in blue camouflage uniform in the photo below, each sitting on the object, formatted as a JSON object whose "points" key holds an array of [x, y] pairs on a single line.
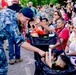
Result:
{"points": [[14, 49], [8, 27]]}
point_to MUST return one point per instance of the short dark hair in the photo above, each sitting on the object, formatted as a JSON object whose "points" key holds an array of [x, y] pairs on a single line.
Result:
{"points": [[45, 19], [66, 60], [29, 26], [32, 19]]}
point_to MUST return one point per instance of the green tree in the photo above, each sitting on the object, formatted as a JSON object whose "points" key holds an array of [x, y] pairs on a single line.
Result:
{"points": [[24, 2], [40, 2]]}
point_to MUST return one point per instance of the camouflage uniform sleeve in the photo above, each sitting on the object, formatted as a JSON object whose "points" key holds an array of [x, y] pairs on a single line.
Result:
{"points": [[18, 36], [9, 26], [16, 33], [4, 23], [14, 30]]}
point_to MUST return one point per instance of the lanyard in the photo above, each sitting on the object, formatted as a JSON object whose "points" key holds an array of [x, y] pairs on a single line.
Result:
{"points": [[60, 30]]}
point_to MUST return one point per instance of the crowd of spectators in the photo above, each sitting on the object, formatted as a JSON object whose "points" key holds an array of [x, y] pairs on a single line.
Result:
{"points": [[46, 19]]}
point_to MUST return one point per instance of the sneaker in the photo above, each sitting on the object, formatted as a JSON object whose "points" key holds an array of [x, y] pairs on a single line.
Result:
{"points": [[11, 62], [18, 60]]}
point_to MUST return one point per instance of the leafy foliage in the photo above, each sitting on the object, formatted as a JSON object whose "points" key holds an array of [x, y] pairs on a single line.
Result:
{"points": [[41, 2]]}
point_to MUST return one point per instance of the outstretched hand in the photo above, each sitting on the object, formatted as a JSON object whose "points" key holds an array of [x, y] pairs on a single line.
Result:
{"points": [[42, 53]]}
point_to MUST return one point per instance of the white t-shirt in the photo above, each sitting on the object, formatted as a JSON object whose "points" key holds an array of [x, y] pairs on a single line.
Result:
{"points": [[72, 37], [72, 46], [74, 21]]}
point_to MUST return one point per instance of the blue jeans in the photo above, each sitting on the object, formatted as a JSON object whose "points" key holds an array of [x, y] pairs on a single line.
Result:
{"points": [[14, 49]]}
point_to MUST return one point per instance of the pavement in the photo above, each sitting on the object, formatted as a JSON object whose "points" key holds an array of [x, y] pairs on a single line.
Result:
{"points": [[26, 67]]}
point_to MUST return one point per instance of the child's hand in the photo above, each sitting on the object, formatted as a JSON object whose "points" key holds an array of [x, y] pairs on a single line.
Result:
{"points": [[47, 60], [47, 53], [47, 56]]}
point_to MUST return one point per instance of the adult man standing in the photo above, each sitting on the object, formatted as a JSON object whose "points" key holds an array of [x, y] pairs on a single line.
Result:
{"points": [[14, 49], [9, 27]]}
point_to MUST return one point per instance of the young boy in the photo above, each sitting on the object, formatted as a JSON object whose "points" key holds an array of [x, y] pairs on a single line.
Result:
{"points": [[59, 64]]}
